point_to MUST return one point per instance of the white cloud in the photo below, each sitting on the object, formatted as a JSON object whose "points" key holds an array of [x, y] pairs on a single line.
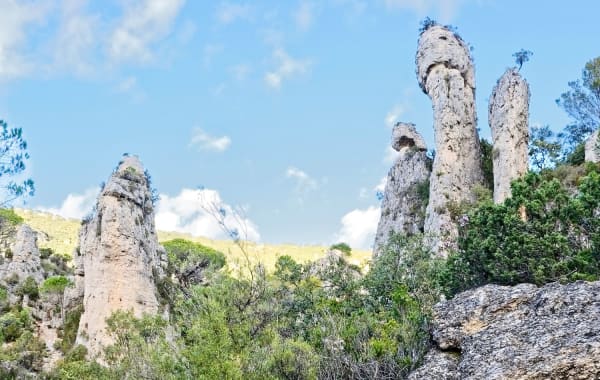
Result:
{"points": [[393, 115], [206, 142], [445, 9], [359, 227], [304, 182], [15, 17], [129, 86], [75, 206], [194, 212], [381, 185], [76, 37], [210, 51], [144, 23], [304, 15], [390, 155], [228, 13], [287, 67]]}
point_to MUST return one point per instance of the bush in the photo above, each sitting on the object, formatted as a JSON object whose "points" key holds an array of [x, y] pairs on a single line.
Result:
{"points": [[182, 253], [343, 247], [8, 216], [544, 233], [46, 253], [29, 287]]}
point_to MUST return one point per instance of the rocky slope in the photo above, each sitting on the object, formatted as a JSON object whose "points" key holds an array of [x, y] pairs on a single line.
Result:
{"points": [[119, 257], [520, 332]]}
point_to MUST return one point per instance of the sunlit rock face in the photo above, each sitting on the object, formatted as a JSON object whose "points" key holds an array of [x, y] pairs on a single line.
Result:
{"points": [[592, 148], [446, 74], [406, 190], [120, 258], [509, 121]]}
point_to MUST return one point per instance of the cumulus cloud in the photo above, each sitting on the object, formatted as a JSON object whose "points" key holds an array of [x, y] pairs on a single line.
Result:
{"points": [[15, 17], [304, 182], [75, 205], [446, 9], [204, 141], [304, 15], [144, 23], [287, 68], [228, 13], [390, 155], [193, 211], [359, 227]]}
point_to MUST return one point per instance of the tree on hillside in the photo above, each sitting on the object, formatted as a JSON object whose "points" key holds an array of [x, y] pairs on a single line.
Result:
{"points": [[582, 104], [13, 154], [56, 286]]}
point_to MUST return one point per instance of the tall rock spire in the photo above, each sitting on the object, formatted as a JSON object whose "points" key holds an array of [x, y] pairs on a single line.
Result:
{"points": [[403, 206], [445, 73], [120, 254], [509, 122]]}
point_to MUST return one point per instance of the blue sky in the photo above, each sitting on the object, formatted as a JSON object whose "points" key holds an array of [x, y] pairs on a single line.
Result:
{"points": [[280, 108]]}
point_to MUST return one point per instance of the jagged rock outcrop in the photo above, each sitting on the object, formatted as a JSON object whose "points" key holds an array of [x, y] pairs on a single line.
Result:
{"points": [[592, 147], [25, 261], [445, 73], [519, 332], [509, 121], [406, 189], [120, 255]]}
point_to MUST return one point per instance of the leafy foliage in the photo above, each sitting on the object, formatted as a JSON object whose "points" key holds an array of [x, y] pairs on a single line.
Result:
{"points": [[544, 233], [521, 57], [582, 104], [343, 247], [487, 163], [13, 154], [544, 148]]}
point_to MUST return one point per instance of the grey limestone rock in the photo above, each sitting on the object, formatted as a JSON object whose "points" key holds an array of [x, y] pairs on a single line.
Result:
{"points": [[445, 72], [508, 117], [519, 332], [119, 258], [25, 261], [592, 147], [403, 206]]}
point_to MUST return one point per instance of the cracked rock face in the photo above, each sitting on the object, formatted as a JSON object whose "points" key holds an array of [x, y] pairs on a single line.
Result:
{"points": [[403, 206], [592, 147], [25, 260], [120, 258], [446, 74], [520, 332], [508, 117]]}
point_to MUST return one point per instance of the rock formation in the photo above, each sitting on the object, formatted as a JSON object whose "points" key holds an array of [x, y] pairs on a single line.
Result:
{"points": [[404, 201], [520, 332], [445, 73], [508, 118], [25, 261], [120, 255], [592, 147]]}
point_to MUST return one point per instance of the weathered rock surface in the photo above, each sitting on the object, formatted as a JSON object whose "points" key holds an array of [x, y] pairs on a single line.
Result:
{"points": [[509, 122], [592, 147], [25, 261], [120, 255], [403, 205], [520, 332], [445, 73]]}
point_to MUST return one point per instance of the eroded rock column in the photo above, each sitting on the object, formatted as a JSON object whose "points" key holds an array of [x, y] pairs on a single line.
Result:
{"points": [[509, 121], [120, 254], [407, 187], [445, 73], [592, 147]]}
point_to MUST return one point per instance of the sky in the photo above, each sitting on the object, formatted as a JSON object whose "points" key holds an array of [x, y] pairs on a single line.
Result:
{"points": [[279, 111]]}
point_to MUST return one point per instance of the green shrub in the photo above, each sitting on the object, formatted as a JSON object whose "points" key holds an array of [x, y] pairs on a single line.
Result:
{"points": [[46, 253], [558, 240], [343, 247], [69, 330], [8, 216], [29, 287], [183, 253]]}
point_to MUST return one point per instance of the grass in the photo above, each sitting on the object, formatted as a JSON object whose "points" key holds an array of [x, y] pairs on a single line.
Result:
{"points": [[62, 236]]}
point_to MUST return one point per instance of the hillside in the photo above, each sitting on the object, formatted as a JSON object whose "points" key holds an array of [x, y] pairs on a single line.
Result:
{"points": [[61, 235]]}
